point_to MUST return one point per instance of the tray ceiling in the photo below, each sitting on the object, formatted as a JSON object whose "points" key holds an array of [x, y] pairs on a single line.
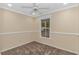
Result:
{"points": [[27, 11]]}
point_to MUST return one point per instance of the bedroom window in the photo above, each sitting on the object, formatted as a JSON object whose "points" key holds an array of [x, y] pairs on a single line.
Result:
{"points": [[45, 27]]}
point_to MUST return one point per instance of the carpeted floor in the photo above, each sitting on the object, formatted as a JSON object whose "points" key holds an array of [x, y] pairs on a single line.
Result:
{"points": [[35, 48]]}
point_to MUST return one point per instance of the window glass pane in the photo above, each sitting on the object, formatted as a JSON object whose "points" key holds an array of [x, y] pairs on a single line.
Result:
{"points": [[45, 27]]}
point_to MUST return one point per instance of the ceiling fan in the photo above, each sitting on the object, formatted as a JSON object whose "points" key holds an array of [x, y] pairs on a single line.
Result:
{"points": [[35, 9]]}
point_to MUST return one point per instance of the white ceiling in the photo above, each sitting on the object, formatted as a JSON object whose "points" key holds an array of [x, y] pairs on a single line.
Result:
{"points": [[51, 7]]}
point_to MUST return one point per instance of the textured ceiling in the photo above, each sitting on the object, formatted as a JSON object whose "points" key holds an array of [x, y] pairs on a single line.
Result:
{"points": [[50, 7]]}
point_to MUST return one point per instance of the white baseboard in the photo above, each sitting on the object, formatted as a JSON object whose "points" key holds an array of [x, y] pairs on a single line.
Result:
{"points": [[13, 33], [59, 47], [15, 46]]}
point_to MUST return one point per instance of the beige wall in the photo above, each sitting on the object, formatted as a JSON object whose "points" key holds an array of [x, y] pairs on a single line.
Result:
{"points": [[13, 22], [17, 29], [65, 21], [1, 17]]}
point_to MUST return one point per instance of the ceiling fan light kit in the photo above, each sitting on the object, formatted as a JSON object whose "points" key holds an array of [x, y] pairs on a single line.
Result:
{"points": [[35, 9]]}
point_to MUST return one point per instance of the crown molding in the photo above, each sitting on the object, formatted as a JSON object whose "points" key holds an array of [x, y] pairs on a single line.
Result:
{"points": [[16, 11], [60, 9], [47, 13]]}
